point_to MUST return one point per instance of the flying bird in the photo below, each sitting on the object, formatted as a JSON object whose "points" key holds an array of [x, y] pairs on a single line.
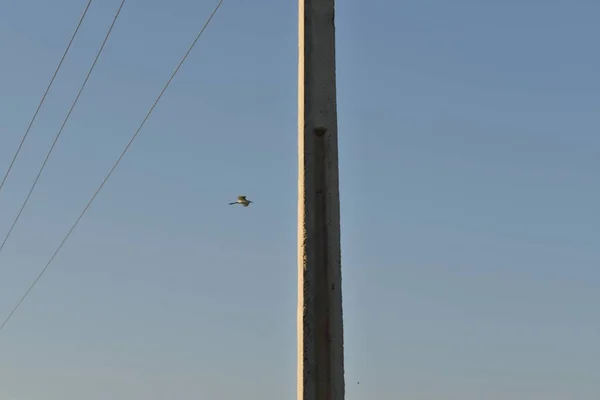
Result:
{"points": [[241, 200]]}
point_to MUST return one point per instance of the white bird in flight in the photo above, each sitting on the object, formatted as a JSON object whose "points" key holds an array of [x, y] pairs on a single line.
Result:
{"points": [[241, 200]]}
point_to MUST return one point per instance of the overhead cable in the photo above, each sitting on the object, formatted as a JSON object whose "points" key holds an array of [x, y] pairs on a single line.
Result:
{"points": [[12, 162], [37, 178], [134, 136]]}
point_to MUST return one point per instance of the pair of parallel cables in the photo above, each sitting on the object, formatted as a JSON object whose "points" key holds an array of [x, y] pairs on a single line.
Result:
{"points": [[114, 166]]}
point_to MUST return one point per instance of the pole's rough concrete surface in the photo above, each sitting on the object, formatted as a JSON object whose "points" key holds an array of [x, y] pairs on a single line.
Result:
{"points": [[320, 321]]}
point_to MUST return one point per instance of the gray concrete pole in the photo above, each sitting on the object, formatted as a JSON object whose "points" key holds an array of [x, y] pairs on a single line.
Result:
{"points": [[320, 323]]}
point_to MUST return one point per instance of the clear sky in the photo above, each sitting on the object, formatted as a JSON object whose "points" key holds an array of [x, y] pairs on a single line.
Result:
{"points": [[469, 155]]}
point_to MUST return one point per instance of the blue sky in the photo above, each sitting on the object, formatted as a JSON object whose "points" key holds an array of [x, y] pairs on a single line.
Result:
{"points": [[469, 181]]}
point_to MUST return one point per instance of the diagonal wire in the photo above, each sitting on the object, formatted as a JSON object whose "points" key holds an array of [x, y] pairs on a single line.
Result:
{"points": [[37, 178], [10, 166], [35, 281]]}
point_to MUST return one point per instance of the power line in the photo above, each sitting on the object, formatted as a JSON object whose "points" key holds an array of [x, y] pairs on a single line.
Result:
{"points": [[44, 96], [35, 281], [62, 127]]}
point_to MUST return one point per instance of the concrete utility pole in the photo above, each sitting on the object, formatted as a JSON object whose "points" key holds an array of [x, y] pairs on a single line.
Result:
{"points": [[320, 325]]}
